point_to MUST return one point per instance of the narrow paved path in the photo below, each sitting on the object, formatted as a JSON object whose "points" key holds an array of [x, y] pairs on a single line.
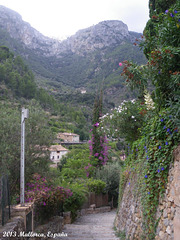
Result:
{"points": [[97, 226]]}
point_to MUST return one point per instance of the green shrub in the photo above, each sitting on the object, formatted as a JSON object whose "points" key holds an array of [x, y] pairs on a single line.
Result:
{"points": [[110, 174], [76, 201], [96, 186]]}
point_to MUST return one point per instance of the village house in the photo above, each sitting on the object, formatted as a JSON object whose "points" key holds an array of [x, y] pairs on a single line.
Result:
{"points": [[68, 137], [56, 153]]}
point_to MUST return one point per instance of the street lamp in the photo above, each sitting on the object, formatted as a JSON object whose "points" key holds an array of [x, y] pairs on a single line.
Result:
{"points": [[24, 115]]}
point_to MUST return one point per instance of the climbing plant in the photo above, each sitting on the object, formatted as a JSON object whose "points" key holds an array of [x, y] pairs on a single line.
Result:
{"points": [[150, 156]]}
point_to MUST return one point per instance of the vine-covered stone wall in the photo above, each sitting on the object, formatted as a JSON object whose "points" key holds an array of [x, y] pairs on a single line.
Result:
{"points": [[129, 217], [128, 221], [169, 207]]}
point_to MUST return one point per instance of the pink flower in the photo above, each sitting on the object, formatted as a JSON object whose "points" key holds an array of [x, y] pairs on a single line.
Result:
{"points": [[120, 64], [96, 154], [96, 124]]}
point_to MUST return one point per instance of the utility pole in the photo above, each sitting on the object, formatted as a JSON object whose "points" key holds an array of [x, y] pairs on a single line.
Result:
{"points": [[24, 115]]}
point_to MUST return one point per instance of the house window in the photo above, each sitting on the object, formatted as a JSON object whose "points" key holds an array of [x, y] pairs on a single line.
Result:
{"points": [[57, 157], [58, 151]]}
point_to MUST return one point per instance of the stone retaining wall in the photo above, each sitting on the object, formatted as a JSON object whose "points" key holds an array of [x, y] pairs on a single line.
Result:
{"points": [[55, 225], [14, 227], [169, 208], [129, 217]]}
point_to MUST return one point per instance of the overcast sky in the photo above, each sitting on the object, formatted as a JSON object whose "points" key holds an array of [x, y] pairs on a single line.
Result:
{"points": [[63, 18]]}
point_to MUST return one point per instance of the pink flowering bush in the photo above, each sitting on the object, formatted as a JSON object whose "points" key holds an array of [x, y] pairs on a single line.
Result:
{"points": [[48, 199]]}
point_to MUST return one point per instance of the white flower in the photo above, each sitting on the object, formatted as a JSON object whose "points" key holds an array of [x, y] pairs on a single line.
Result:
{"points": [[148, 100]]}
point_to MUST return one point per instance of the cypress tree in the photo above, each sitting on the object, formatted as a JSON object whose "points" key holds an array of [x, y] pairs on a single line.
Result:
{"points": [[98, 147]]}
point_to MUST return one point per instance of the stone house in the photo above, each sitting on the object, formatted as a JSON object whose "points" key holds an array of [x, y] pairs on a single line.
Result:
{"points": [[68, 137], [56, 153]]}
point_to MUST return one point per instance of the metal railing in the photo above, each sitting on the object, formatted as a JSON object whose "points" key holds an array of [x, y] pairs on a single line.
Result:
{"points": [[4, 200]]}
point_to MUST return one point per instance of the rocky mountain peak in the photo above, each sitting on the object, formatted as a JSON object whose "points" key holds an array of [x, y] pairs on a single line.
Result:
{"points": [[20, 30], [100, 36]]}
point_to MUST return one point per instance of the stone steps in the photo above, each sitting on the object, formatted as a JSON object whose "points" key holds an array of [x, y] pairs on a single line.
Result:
{"points": [[97, 226]]}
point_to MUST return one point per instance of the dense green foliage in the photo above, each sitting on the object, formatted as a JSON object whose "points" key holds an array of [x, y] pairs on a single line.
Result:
{"points": [[74, 164], [110, 174], [159, 6], [15, 74], [76, 173], [96, 185], [17, 77], [156, 8], [163, 61], [164, 57], [74, 203], [125, 121]]}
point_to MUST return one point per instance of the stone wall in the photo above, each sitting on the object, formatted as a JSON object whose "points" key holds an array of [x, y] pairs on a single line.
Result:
{"points": [[169, 208], [14, 227], [129, 217], [17, 223], [55, 225]]}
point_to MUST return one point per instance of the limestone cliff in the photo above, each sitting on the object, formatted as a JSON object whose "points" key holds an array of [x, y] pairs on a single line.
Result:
{"points": [[102, 35], [99, 36], [12, 22]]}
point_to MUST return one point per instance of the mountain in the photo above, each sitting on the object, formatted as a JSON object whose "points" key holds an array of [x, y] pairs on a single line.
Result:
{"points": [[87, 60]]}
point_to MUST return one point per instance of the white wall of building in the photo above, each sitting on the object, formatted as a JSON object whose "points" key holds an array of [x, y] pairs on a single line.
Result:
{"points": [[56, 156]]}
